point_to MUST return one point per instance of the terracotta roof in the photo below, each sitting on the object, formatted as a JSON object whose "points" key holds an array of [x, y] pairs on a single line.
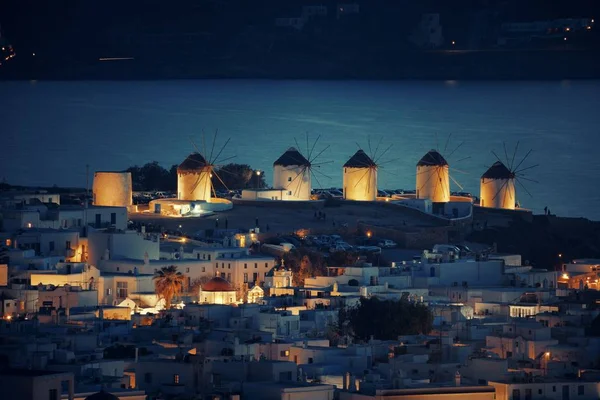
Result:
{"points": [[360, 159], [217, 284], [433, 157], [193, 162], [498, 171], [291, 157]]}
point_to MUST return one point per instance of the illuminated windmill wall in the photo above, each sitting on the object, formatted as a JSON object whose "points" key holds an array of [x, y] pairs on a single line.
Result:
{"points": [[112, 189], [498, 183], [291, 172], [433, 178], [498, 187], [360, 178], [194, 178]]}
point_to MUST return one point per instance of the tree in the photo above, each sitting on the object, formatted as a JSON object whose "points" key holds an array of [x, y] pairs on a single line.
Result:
{"points": [[196, 284], [304, 264], [168, 283], [152, 176], [237, 176], [385, 319]]}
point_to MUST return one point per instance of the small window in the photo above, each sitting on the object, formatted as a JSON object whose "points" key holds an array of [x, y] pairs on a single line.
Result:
{"points": [[108, 292], [245, 277], [176, 379], [516, 395], [113, 218], [266, 265], [310, 360], [228, 265], [245, 265], [51, 246], [289, 178], [53, 394], [216, 265], [68, 245], [539, 391], [255, 265], [203, 269], [580, 390], [223, 265], [187, 270], [554, 388], [289, 192]]}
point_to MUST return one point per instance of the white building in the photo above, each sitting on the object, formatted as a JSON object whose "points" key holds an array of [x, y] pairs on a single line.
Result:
{"points": [[291, 172], [498, 187], [433, 178], [122, 244], [194, 176], [360, 178], [217, 291], [112, 189]]}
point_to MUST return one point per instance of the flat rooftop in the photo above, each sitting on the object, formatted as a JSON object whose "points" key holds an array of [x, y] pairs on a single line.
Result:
{"points": [[31, 372]]}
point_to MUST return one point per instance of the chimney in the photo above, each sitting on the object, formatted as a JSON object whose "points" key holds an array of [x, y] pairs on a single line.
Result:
{"points": [[457, 378]]}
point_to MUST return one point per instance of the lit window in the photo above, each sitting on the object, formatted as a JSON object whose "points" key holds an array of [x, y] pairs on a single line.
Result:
{"points": [[176, 379]]}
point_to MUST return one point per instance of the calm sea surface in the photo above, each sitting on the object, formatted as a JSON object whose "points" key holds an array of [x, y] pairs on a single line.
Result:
{"points": [[51, 130]]}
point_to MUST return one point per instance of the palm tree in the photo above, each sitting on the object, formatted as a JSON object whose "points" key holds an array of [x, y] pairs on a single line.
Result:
{"points": [[168, 283]]}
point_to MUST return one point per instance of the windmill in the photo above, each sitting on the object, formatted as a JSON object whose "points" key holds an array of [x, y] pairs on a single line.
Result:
{"points": [[195, 173], [360, 174], [433, 175], [498, 189], [293, 172]]}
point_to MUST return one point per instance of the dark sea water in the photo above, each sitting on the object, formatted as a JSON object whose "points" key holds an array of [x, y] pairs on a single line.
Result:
{"points": [[51, 130]]}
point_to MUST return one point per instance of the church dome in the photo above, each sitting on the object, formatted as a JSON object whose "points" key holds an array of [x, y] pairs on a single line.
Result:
{"points": [[217, 284], [102, 395]]}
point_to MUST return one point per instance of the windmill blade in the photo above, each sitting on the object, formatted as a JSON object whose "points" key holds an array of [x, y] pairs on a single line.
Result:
{"points": [[381, 169], [210, 159], [377, 148], [204, 144], [457, 147], [382, 163], [463, 159], [526, 168], [317, 179], [456, 182], [361, 178], [320, 163], [499, 190], [447, 141], [297, 145], [460, 171], [222, 148], [195, 185], [220, 180], [437, 142], [524, 158], [426, 182], [321, 152], [523, 186], [496, 155], [316, 170], [299, 182], [376, 160], [194, 145], [312, 149], [223, 160], [297, 175], [512, 161], [527, 179], [506, 153], [307, 147]]}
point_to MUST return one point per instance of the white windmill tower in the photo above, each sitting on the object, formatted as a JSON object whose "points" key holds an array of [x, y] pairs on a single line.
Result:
{"points": [[433, 178], [360, 178], [195, 173], [293, 172], [497, 188]]}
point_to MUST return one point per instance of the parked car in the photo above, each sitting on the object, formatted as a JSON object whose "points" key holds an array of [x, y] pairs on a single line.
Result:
{"points": [[386, 243], [368, 250], [340, 246], [383, 193]]}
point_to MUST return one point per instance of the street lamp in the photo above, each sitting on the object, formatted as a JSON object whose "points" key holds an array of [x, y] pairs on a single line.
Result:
{"points": [[258, 178]]}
